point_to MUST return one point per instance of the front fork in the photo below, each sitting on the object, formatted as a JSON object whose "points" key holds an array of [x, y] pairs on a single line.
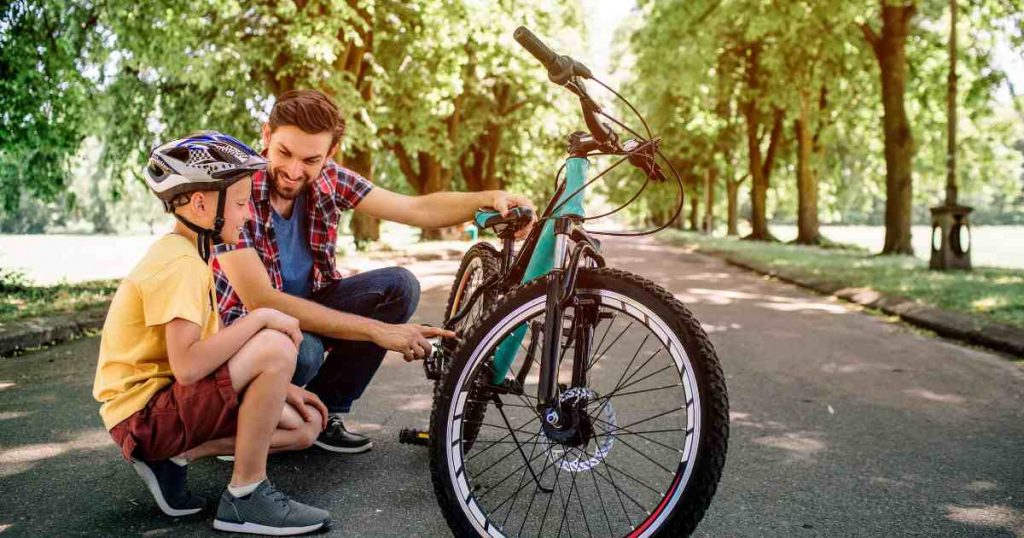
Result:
{"points": [[561, 295]]}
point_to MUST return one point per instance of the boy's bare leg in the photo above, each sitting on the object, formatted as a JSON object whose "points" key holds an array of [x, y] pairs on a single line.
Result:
{"points": [[261, 372], [292, 433]]}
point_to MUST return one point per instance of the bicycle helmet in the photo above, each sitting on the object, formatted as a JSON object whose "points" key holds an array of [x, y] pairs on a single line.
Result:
{"points": [[206, 161]]}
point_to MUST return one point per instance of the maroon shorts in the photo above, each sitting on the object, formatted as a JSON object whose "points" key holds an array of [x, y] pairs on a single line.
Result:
{"points": [[180, 417]]}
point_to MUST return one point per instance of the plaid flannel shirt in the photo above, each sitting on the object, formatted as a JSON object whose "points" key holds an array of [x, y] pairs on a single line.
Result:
{"points": [[336, 190]]}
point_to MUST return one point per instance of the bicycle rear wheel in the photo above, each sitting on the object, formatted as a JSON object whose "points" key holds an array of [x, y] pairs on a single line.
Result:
{"points": [[652, 417], [480, 263]]}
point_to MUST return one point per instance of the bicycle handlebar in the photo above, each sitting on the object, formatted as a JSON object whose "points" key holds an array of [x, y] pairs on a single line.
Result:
{"points": [[567, 72], [560, 68], [535, 46]]}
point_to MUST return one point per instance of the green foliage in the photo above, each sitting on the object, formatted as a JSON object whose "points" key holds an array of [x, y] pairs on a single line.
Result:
{"points": [[437, 85], [688, 73], [44, 93], [441, 79]]}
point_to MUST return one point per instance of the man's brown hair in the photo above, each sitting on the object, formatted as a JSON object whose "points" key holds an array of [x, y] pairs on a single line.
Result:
{"points": [[310, 110]]}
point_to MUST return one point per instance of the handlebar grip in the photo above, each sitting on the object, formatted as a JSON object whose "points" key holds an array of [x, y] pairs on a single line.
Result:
{"points": [[535, 46], [516, 216]]}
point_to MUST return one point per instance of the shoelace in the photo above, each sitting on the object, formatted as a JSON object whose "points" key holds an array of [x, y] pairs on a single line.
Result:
{"points": [[335, 423], [278, 496]]}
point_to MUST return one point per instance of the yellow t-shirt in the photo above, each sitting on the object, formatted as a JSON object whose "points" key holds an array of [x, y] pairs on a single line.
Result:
{"points": [[170, 281]]}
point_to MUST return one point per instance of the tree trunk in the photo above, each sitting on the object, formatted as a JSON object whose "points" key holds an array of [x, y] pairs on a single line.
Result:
{"points": [[364, 227], [760, 173], [760, 166], [694, 212], [436, 178], [711, 176], [890, 51], [806, 178], [732, 189]]}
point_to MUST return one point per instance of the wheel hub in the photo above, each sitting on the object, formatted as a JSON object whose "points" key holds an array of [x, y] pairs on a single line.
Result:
{"points": [[569, 436]]}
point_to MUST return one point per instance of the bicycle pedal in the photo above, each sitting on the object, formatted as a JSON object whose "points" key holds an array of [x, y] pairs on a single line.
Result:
{"points": [[412, 436]]}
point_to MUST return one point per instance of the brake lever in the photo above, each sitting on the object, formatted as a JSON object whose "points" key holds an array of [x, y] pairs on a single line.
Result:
{"points": [[641, 155]]}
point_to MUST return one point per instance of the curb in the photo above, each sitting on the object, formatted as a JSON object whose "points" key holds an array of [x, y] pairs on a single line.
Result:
{"points": [[964, 327], [21, 335]]}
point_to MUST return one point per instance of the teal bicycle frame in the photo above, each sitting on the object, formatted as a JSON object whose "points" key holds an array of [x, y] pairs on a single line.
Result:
{"points": [[550, 249]]}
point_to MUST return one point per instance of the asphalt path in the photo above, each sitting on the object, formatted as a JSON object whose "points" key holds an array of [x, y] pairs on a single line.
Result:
{"points": [[842, 424]]}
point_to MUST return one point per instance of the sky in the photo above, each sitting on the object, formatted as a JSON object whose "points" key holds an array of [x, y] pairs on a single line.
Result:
{"points": [[607, 14]]}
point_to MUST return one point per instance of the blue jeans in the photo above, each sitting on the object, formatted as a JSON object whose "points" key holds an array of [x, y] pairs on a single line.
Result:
{"points": [[389, 295]]}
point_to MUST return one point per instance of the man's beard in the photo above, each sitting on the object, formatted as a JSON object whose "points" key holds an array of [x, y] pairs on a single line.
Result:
{"points": [[276, 183]]}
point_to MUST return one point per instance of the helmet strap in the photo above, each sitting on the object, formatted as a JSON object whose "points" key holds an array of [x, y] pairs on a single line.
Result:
{"points": [[205, 237]]}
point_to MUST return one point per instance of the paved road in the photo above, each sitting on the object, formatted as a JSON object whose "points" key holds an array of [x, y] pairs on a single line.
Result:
{"points": [[843, 424]]}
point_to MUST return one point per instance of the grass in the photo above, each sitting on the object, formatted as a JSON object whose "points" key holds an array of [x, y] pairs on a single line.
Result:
{"points": [[996, 294], [20, 298]]}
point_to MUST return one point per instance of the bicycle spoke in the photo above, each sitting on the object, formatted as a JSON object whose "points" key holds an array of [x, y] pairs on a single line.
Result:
{"points": [[502, 439], [619, 382], [619, 493], [600, 499], [617, 435], [631, 447], [623, 473], [613, 342], [544, 517], [519, 487], [599, 344], [524, 465], [667, 366], [641, 391], [617, 428]]}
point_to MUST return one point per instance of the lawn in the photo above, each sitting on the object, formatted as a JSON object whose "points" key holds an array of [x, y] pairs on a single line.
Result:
{"points": [[994, 293], [20, 298]]}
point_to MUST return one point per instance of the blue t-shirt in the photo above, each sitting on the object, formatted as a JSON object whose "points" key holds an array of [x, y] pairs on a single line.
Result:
{"points": [[293, 243]]}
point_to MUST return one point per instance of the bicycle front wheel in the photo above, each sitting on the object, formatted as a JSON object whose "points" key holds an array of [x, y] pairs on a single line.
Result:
{"points": [[651, 420]]}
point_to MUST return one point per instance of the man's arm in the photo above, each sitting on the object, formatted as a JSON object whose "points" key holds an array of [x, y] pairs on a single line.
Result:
{"points": [[438, 209], [250, 280]]}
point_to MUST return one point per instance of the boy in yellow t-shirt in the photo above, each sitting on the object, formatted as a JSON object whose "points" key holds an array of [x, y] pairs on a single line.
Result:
{"points": [[174, 388]]}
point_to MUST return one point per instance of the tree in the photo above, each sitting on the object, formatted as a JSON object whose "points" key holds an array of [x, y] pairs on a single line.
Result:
{"points": [[889, 47], [44, 93]]}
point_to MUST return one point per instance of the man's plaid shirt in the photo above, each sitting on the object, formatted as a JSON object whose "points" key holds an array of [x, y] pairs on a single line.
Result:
{"points": [[336, 190]]}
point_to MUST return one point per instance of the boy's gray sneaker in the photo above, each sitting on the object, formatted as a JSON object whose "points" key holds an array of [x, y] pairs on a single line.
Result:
{"points": [[269, 512]]}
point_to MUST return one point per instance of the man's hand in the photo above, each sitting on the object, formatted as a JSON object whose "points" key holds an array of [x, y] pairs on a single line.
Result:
{"points": [[502, 201], [409, 339], [279, 321], [299, 398]]}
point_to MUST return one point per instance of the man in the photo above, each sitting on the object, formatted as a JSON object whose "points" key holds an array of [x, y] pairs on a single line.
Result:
{"points": [[285, 259]]}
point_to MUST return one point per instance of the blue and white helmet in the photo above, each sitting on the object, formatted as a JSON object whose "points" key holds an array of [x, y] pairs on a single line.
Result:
{"points": [[206, 161]]}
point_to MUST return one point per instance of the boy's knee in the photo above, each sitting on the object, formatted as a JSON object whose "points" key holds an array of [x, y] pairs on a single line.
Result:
{"points": [[278, 351]]}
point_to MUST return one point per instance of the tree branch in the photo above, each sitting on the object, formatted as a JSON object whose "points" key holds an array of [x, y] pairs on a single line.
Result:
{"points": [[405, 164], [870, 36], [775, 140]]}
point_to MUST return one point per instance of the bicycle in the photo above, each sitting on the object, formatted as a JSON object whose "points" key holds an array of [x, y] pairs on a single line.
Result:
{"points": [[512, 431]]}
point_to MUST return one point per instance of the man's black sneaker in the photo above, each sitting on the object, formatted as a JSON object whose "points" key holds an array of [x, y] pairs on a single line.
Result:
{"points": [[269, 512], [166, 481], [337, 439]]}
